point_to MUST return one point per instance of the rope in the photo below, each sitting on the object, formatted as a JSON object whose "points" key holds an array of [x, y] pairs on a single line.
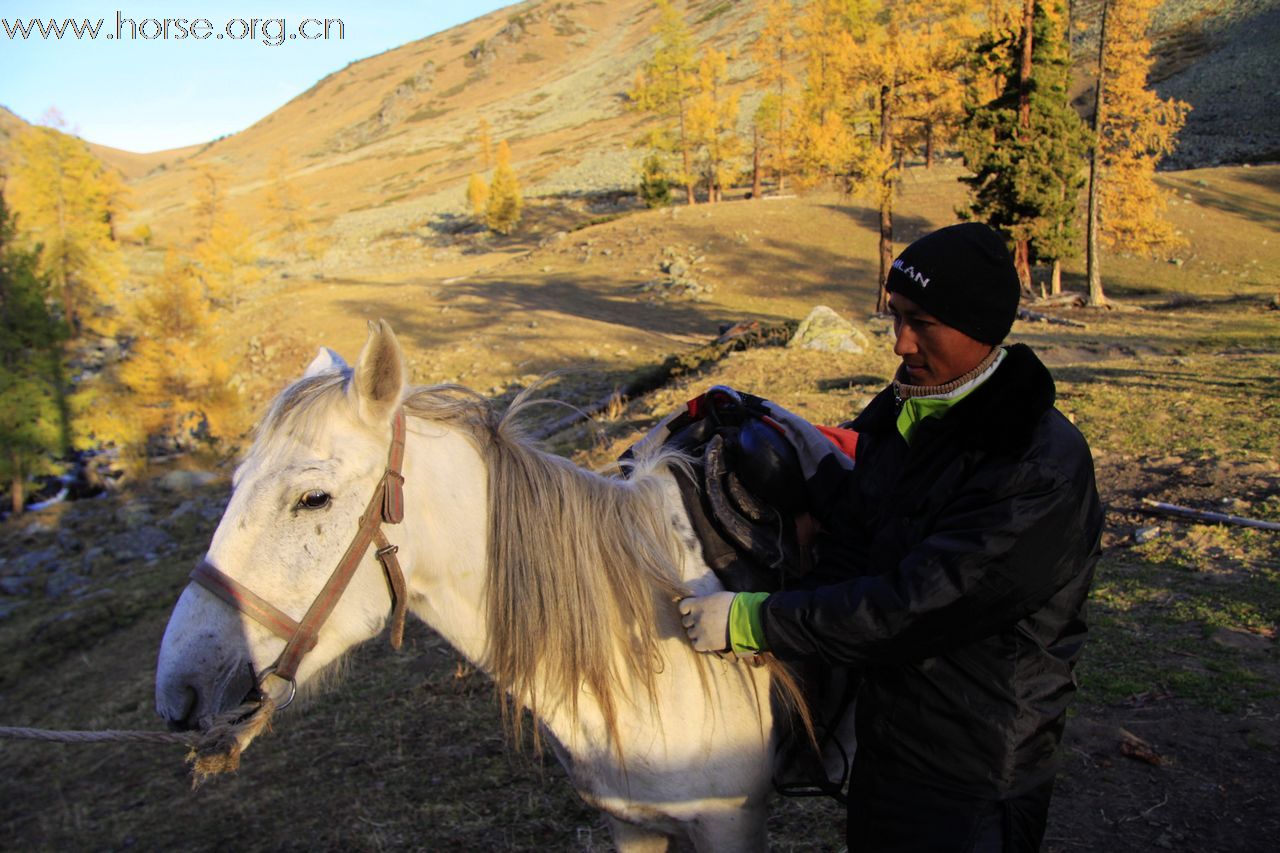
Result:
{"points": [[215, 749], [104, 736]]}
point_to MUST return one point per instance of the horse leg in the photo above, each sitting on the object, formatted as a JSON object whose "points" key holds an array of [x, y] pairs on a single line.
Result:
{"points": [[738, 831], [629, 838]]}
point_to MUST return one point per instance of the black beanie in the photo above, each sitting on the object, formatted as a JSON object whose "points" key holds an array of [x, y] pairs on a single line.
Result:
{"points": [[964, 276]]}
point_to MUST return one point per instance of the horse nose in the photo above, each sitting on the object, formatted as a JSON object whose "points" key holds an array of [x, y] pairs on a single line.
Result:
{"points": [[178, 708]]}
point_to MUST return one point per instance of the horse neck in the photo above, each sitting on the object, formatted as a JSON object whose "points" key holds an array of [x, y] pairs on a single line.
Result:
{"points": [[447, 514], [445, 525]]}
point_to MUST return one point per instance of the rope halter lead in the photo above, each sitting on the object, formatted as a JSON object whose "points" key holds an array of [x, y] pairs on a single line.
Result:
{"points": [[386, 505]]}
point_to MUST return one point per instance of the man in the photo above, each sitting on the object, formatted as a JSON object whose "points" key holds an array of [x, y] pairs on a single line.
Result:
{"points": [[969, 532]]}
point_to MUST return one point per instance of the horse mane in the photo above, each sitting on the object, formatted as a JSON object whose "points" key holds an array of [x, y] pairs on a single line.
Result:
{"points": [[577, 566], [577, 562]]}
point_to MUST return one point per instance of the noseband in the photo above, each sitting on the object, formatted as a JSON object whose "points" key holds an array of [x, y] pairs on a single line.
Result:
{"points": [[386, 505]]}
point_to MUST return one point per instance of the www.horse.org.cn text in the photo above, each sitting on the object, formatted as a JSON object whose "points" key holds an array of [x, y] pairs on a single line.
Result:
{"points": [[272, 32]]}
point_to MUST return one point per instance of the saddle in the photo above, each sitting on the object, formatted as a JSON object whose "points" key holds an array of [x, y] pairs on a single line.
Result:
{"points": [[758, 472]]}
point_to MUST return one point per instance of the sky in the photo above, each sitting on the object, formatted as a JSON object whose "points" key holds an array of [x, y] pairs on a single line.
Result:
{"points": [[214, 71]]}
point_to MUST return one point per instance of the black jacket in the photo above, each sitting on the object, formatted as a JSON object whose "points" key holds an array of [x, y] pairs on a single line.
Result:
{"points": [[962, 597]]}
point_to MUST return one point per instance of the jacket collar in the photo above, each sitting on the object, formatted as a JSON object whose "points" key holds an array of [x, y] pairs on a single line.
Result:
{"points": [[999, 415]]}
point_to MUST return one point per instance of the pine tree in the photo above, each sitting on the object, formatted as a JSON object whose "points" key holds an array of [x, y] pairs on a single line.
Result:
{"points": [[655, 186], [477, 196], [33, 419], [1027, 146], [1135, 129], [665, 86], [505, 202], [67, 201]]}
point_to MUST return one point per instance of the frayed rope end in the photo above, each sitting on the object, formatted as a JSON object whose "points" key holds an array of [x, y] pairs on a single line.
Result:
{"points": [[219, 748]]}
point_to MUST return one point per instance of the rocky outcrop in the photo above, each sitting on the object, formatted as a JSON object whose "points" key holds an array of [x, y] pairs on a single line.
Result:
{"points": [[826, 331]]}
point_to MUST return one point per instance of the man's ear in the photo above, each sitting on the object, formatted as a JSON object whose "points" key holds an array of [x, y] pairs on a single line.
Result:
{"points": [[378, 384]]}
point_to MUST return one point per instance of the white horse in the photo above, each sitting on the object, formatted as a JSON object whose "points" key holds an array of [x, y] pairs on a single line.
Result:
{"points": [[559, 583]]}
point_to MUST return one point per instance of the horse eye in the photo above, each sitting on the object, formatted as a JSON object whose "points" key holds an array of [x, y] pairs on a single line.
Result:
{"points": [[314, 499]]}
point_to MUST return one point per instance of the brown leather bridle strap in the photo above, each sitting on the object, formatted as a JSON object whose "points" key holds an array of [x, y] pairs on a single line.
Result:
{"points": [[386, 504], [244, 599]]}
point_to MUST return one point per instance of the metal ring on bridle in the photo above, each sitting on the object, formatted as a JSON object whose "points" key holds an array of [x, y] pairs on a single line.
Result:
{"points": [[293, 686]]}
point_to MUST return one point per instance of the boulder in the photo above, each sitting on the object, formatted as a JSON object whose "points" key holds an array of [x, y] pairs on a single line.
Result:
{"points": [[826, 331], [186, 481]]}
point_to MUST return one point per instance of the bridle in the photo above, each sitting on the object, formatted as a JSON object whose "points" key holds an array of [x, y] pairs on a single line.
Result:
{"points": [[386, 505]]}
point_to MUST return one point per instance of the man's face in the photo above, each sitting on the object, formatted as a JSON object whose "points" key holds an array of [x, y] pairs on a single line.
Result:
{"points": [[931, 353]]}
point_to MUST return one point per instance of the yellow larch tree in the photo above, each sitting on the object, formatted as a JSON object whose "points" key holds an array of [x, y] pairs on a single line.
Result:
{"points": [[774, 51], [1135, 129], [712, 124], [867, 63], [484, 144], [224, 258], [477, 196], [66, 201], [505, 204], [286, 208], [173, 386], [665, 86]]}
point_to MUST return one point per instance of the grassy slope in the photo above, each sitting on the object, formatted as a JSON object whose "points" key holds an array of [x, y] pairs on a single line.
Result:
{"points": [[1179, 402]]}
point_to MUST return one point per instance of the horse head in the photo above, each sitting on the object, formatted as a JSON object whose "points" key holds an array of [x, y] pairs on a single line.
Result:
{"points": [[298, 502]]}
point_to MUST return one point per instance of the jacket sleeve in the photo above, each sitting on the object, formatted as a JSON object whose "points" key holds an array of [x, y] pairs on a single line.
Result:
{"points": [[997, 552]]}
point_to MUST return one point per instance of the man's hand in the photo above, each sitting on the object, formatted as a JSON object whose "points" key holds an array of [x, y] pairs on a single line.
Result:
{"points": [[706, 620]]}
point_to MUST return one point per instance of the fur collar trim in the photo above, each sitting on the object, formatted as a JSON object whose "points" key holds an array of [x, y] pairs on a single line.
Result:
{"points": [[999, 415]]}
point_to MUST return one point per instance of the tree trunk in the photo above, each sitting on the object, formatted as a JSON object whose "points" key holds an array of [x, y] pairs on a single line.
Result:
{"points": [[16, 491], [1024, 72], [1022, 262], [755, 163], [886, 198], [928, 145], [1022, 246], [690, 197], [1092, 260], [1055, 279]]}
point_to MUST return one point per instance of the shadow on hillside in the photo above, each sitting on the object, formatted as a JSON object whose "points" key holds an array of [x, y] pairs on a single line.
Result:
{"points": [[1256, 208], [906, 227], [773, 262], [478, 304], [1150, 377]]}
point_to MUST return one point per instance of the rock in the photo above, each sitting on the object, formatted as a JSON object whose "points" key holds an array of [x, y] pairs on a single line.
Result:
{"points": [[64, 583], [94, 559], [676, 268], [133, 514], [34, 561], [186, 481], [143, 543], [15, 586], [1145, 534], [826, 331]]}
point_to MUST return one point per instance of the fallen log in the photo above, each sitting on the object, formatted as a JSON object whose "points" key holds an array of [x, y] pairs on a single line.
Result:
{"points": [[736, 337], [1037, 317], [1151, 507]]}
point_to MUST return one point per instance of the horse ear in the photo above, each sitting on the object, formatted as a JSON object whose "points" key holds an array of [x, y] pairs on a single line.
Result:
{"points": [[325, 360], [378, 385]]}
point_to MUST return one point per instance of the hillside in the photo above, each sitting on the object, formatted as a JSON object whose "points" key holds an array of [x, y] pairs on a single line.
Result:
{"points": [[1177, 391], [382, 148]]}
